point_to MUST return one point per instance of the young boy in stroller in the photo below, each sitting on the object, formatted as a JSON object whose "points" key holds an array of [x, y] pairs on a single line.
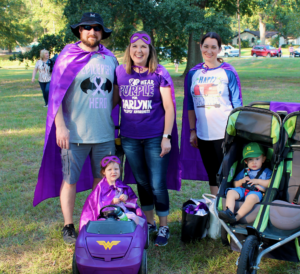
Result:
{"points": [[250, 184]]}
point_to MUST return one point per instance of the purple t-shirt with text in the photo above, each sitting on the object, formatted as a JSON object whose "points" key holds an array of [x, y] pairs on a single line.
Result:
{"points": [[142, 113]]}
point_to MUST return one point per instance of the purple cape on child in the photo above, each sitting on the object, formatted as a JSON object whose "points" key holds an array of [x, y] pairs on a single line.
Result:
{"points": [[174, 168], [68, 64], [190, 158], [102, 196]]}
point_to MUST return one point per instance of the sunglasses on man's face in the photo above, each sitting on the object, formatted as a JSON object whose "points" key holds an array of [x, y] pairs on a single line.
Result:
{"points": [[96, 28]]}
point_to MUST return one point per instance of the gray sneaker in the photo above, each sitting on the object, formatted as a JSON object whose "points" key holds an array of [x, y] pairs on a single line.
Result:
{"points": [[69, 234], [152, 228]]}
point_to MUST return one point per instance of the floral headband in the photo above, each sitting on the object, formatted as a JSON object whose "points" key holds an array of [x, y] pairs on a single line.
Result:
{"points": [[106, 160], [143, 36]]}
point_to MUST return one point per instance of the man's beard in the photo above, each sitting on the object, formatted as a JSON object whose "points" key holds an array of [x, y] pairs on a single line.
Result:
{"points": [[89, 43]]}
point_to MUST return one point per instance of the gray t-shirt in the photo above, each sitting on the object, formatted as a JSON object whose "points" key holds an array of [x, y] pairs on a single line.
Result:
{"points": [[88, 102]]}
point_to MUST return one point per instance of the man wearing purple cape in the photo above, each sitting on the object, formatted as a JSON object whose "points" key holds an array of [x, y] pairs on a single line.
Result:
{"points": [[80, 120]]}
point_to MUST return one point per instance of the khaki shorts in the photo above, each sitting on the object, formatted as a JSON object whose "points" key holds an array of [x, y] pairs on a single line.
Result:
{"points": [[74, 158]]}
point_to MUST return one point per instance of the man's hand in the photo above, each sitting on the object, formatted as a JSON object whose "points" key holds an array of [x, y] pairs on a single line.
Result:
{"points": [[62, 137]]}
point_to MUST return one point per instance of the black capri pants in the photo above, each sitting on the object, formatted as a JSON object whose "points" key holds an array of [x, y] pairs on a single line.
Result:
{"points": [[212, 157]]}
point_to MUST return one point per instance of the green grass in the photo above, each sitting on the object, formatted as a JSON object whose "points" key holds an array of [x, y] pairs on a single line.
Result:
{"points": [[30, 237]]}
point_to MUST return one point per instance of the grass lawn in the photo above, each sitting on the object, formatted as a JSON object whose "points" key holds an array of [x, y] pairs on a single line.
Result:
{"points": [[30, 237]]}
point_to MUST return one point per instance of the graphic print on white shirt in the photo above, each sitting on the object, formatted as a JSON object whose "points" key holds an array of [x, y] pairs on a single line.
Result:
{"points": [[137, 88], [211, 102]]}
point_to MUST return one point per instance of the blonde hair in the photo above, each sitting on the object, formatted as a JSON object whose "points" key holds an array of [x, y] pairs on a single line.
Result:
{"points": [[42, 53], [152, 61]]}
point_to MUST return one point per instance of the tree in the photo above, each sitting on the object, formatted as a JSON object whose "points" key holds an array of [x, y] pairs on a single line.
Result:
{"points": [[14, 24]]}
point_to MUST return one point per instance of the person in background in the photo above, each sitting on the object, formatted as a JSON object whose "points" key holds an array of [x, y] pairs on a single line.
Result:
{"points": [[291, 50], [176, 64], [44, 74], [212, 91], [279, 52]]}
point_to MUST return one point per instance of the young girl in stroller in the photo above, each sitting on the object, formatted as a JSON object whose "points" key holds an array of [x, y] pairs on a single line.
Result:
{"points": [[110, 191], [250, 184]]}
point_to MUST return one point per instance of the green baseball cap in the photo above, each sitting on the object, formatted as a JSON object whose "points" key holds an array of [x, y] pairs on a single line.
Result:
{"points": [[252, 150]]}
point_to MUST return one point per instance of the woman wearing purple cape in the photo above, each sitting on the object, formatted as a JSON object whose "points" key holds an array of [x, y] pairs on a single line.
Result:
{"points": [[148, 131], [211, 90]]}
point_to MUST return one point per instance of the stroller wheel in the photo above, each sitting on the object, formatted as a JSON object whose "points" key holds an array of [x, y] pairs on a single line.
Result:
{"points": [[74, 265], [248, 256], [224, 238], [143, 267]]}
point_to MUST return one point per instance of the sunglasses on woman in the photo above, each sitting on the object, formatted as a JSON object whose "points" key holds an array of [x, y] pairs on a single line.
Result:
{"points": [[88, 27]]}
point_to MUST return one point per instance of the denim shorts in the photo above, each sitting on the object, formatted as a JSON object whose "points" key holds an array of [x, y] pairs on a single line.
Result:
{"points": [[74, 158], [241, 192]]}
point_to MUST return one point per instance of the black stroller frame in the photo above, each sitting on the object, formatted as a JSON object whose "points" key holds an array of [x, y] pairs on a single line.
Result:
{"points": [[255, 241]]}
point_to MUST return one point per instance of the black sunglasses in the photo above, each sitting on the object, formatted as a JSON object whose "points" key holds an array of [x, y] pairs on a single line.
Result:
{"points": [[96, 28]]}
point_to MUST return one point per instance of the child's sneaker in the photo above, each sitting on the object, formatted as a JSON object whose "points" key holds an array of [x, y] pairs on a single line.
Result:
{"points": [[162, 236], [152, 228], [69, 234], [227, 216]]}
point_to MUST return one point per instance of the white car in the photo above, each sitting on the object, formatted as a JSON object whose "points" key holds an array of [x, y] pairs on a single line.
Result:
{"points": [[229, 51]]}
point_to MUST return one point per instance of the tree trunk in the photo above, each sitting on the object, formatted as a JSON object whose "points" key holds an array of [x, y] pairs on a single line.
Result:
{"points": [[194, 54], [262, 29]]}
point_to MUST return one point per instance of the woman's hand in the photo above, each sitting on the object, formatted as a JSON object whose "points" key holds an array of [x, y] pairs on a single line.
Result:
{"points": [[62, 137], [32, 80], [193, 139], [165, 146], [123, 198]]}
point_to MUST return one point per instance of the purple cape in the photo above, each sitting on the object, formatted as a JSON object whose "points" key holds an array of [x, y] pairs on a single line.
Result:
{"points": [[174, 168], [190, 158], [68, 64], [102, 196], [284, 106]]}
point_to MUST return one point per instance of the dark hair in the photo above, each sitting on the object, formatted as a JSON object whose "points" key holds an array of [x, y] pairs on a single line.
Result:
{"points": [[213, 35], [152, 61], [104, 167]]}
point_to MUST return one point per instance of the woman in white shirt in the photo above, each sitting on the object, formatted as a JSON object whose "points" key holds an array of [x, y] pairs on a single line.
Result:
{"points": [[44, 74]]}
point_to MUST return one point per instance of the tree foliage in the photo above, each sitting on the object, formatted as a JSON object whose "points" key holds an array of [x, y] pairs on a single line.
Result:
{"points": [[14, 24]]}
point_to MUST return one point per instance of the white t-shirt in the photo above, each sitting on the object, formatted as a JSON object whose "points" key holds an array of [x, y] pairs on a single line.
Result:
{"points": [[215, 93]]}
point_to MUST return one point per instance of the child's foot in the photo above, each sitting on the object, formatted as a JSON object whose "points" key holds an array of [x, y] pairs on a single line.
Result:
{"points": [[152, 227], [69, 234], [227, 216], [162, 236]]}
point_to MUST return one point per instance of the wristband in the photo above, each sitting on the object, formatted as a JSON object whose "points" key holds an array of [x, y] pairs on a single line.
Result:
{"points": [[168, 136], [191, 129]]}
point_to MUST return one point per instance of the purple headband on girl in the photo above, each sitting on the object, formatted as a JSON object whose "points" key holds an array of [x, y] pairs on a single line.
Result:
{"points": [[108, 159], [141, 36]]}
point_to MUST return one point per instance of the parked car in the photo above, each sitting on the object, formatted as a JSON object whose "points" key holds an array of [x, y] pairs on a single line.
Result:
{"points": [[264, 50], [297, 52], [229, 51]]}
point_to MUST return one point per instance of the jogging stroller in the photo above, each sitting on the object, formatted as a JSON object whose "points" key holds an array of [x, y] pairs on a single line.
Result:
{"points": [[267, 230]]}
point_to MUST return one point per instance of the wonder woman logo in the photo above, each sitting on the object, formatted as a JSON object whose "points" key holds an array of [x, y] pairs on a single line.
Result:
{"points": [[108, 245]]}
